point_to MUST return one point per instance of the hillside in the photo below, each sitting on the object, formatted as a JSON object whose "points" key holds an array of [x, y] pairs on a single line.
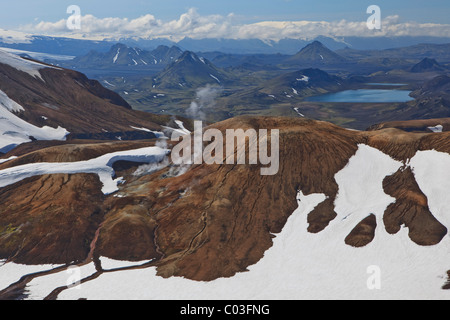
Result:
{"points": [[366, 201], [43, 102], [303, 83], [432, 100], [315, 53], [427, 65]]}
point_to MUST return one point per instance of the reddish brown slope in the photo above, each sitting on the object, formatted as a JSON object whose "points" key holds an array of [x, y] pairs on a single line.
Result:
{"points": [[69, 99], [214, 220], [415, 125]]}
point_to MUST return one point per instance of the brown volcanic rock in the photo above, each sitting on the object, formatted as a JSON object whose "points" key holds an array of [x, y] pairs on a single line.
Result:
{"points": [[363, 233], [411, 209], [54, 218], [321, 216], [214, 220]]}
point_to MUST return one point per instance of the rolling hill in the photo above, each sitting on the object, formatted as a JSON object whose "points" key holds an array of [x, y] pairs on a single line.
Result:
{"points": [[43, 102]]}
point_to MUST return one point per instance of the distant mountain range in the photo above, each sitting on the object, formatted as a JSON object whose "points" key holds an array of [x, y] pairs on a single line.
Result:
{"points": [[78, 47]]}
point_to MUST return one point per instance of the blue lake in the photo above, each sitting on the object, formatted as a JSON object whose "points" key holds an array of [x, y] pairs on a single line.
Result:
{"points": [[364, 95]]}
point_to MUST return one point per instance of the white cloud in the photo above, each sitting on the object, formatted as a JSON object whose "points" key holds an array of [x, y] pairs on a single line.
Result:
{"points": [[192, 24]]}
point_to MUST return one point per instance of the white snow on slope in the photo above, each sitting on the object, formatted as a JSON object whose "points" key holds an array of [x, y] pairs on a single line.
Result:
{"points": [[176, 133], [6, 160], [109, 84], [102, 166], [301, 265], [12, 36], [15, 131], [180, 124], [361, 186], [40, 287], [30, 67], [9, 104], [296, 109], [437, 129], [158, 134]]}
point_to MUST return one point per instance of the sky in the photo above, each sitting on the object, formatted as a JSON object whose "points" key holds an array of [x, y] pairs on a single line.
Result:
{"points": [[231, 18]]}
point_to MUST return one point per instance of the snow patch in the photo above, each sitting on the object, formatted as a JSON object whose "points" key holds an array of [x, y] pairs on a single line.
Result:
{"points": [[15, 37], [158, 134], [299, 265], [431, 170], [109, 84], [180, 125], [15, 131], [302, 265], [9, 104], [12, 272], [24, 65], [39, 55], [6, 160], [437, 129], [361, 186], [298, 112], [304, 79]]}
